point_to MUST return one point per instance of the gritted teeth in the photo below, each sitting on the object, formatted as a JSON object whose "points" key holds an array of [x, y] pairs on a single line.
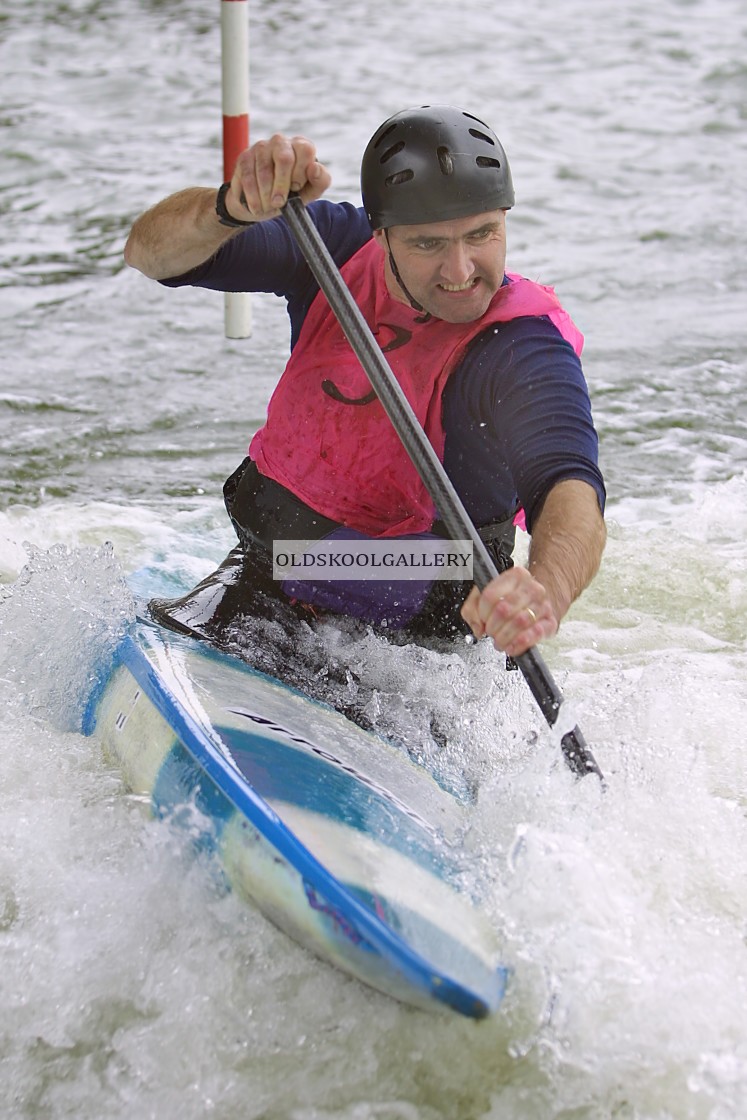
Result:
{"points": [[458, 287]]}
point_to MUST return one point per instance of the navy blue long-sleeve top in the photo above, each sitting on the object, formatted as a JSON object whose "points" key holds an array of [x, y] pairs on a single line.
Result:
{"points": [[516, 410]]}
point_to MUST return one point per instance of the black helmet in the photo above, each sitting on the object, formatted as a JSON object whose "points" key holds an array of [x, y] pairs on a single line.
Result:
{"points": [[431, 164]]}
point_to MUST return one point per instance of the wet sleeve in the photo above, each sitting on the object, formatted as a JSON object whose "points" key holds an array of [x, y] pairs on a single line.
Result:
{"points": [[518, 420]]}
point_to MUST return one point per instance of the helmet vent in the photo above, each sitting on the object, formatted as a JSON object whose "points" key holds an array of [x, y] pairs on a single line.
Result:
{"points": [[445, 162], [387, 132], [399, 177], [391, 152], [481, 136], [486, 161]]}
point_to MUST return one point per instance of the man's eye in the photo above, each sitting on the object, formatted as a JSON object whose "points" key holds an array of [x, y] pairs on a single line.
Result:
{"points": [[426, 244]]}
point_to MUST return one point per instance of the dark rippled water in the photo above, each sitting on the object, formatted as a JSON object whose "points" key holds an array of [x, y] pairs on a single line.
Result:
{"points": [[129, 986]]}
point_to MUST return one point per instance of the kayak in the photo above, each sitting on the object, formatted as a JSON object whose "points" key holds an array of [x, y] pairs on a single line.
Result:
{"points": [[330, 830]]}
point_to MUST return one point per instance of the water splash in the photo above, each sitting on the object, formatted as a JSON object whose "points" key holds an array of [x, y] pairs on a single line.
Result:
{"points": [[60, 624]]}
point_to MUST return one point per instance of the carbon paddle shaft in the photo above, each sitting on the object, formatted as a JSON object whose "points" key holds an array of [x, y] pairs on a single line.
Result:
{"points": [[426, 462]]}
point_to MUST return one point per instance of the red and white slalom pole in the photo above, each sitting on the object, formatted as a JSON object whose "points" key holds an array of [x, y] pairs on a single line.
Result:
{"points": [[234, 30]]}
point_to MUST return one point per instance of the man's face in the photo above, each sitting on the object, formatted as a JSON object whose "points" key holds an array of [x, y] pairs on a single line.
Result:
{"points": [[453, 269]]}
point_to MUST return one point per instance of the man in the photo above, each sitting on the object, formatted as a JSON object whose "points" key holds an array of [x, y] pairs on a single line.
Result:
{"points": [[489, 362]]}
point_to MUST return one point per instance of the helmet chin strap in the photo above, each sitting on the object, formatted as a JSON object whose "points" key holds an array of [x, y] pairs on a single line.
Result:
{"points": [[395, 272]]}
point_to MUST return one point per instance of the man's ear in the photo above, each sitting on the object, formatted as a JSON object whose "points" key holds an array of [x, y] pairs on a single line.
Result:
{"points": [[379, 237]]}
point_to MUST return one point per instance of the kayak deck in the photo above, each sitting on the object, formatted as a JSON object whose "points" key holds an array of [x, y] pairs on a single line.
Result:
{"points": [[331, 831]]}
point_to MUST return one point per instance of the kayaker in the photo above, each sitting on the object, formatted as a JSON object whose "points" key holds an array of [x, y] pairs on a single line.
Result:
{"points": [[489, 362]]}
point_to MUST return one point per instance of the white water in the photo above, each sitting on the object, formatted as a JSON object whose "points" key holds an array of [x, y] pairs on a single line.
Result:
{"points": [[130, 986]]}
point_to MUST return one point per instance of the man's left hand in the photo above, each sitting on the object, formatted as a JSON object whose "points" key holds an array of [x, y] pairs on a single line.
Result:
{"points": [[514, 610]]}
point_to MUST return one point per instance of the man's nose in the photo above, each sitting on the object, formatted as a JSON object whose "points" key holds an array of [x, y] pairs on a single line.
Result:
{"points": [[457, 266]]}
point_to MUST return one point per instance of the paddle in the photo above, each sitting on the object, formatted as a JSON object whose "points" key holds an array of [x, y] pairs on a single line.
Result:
{"points": [[426, 462]]}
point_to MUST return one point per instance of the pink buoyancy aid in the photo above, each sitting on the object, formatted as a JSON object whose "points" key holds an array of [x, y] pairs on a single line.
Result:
{"points": [[327, 438]]}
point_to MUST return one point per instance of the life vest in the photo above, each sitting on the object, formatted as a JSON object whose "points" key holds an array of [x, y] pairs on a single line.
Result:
{"points": [[327, 437]]}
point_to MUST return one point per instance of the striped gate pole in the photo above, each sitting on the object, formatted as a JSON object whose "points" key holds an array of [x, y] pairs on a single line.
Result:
{"points": [[234, 33]]}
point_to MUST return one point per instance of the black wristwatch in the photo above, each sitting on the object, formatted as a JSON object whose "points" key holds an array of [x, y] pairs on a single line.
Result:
{"points": [[224, 217]]}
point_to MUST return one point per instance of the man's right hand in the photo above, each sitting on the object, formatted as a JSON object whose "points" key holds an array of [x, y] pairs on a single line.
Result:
{"points": [[266, 173], [181, 232]]}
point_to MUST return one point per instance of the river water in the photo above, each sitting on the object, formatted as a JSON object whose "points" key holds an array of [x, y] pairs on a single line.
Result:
{"points": [[130, 985]]}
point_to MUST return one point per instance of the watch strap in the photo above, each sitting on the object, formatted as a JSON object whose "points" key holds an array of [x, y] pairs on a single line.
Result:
{"points": [[221, 210]]}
